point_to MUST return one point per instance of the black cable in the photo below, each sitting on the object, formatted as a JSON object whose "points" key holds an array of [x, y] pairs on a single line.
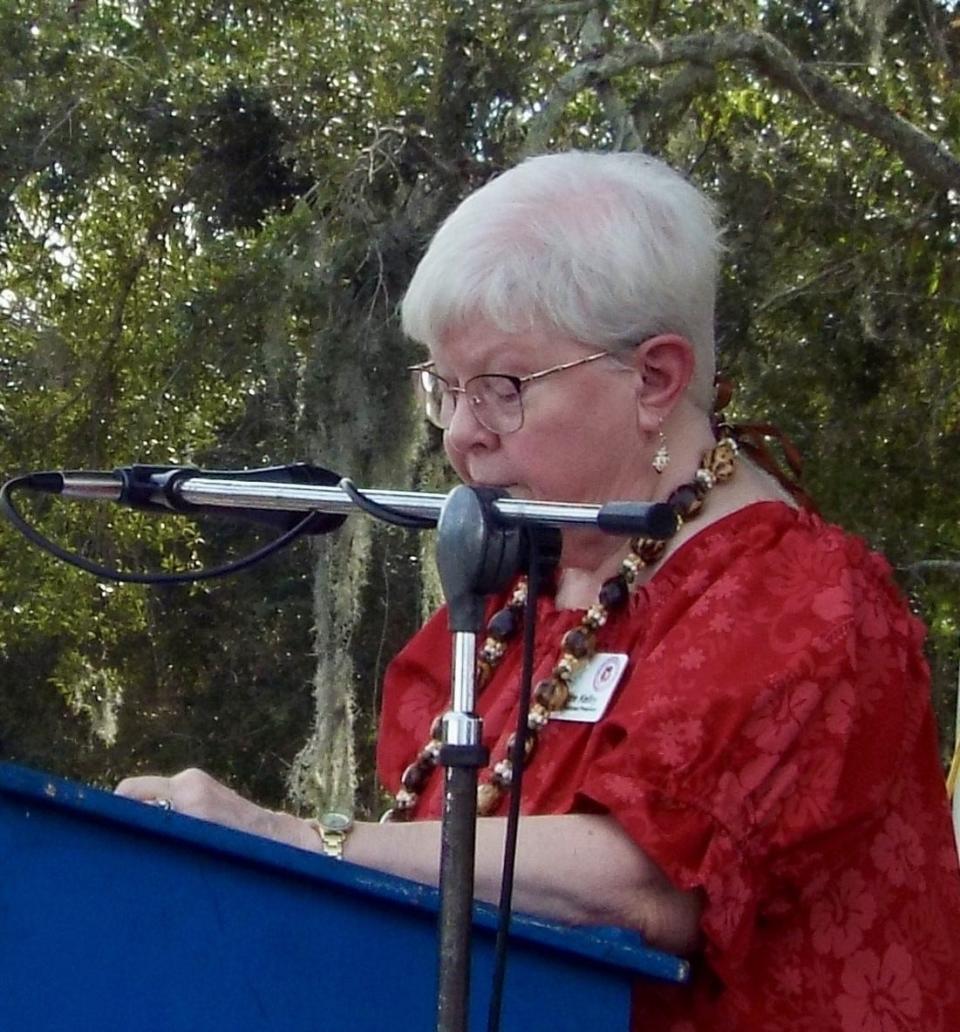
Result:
{"points": [[516, 784], [106, 573], [384, 513]]}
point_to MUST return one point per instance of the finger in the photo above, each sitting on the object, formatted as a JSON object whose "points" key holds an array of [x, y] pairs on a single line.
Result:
{"points": [[148, 788]]}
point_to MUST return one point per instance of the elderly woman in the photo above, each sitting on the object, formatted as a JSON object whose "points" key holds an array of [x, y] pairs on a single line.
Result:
{"points": [[762, 788]]}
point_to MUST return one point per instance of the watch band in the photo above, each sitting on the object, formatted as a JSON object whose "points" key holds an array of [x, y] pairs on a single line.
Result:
{"points": [[332, 828]]}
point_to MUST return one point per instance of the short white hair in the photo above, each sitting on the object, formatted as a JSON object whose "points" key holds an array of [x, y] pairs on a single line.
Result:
{"points": [[608, 249]]}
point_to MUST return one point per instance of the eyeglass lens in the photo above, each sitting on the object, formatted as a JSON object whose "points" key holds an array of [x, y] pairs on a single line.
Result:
{"points": [[493, 398]]}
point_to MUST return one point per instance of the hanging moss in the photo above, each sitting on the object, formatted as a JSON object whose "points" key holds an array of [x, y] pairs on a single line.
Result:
{"points": [[356, 417]]}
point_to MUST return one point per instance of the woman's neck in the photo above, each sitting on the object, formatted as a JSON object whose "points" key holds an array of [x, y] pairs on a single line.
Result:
{"points": [[579, 586], [590, 558]]}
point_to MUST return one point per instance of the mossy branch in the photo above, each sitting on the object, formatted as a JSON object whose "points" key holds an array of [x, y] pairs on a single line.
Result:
{"points": [[931, 160]]}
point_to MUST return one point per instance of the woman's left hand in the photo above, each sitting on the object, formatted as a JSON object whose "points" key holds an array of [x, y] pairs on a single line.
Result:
{"points": [[196, 793]]}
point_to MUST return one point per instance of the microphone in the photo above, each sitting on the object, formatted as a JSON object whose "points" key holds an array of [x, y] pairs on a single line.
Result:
{"points": [[280, 495], [156, 489]]}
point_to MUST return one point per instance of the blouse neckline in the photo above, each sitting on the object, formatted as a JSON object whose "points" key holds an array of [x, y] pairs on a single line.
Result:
{"points": [[676, 564]]}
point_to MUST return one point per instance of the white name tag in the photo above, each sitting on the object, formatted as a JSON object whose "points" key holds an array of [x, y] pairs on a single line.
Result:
{"points": [[593, 688]]}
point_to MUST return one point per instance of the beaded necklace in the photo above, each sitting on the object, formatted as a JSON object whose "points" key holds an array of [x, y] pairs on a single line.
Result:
{"points": [[577, 647]]}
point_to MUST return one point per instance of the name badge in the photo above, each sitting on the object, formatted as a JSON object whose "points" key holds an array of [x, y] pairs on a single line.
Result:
{"points": [[593, 687]]}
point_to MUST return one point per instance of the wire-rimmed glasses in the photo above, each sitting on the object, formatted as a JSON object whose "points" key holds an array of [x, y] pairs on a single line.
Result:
{"points": [[495, 399]]}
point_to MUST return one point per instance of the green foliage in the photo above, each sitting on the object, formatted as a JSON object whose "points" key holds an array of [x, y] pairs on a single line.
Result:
{"points": [[208, 215]]}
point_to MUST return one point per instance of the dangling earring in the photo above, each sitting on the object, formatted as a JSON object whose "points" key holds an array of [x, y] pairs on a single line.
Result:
{"points": [[662, 457]]}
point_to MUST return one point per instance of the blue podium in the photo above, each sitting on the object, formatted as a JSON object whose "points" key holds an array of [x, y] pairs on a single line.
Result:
{"points": [[120, 917]]}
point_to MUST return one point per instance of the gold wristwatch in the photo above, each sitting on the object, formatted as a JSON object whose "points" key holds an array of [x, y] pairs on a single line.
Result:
{"points": [[333, 829]]}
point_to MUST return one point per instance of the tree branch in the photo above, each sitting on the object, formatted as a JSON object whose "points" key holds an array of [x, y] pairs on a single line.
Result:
{"points": [[928, 158], [925, 565], [556, 10], [677, 93], [929, 14], [782, 297]]}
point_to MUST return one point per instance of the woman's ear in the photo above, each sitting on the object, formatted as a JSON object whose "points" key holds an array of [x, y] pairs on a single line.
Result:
{"points": [[664, 365]]}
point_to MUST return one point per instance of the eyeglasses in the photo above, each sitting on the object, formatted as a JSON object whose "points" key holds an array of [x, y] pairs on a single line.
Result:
{"points": [[494, 398]]}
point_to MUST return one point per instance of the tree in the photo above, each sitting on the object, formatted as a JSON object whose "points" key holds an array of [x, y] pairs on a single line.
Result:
{"points": [[209, 216]]}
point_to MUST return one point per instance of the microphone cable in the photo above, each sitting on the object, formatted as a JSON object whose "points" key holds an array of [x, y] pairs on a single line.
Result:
{"points": [[45, 482], [384, 513], [535, 561]]}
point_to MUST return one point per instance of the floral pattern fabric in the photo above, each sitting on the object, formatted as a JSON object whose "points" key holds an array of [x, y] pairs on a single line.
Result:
{"points": [[771, 744]]}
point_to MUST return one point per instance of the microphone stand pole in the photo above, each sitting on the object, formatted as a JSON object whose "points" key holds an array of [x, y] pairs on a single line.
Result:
{"points": [[475, 557]]}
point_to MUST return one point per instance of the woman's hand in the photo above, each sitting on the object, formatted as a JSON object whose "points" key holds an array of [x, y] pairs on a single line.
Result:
{"points": [[195, 793]]}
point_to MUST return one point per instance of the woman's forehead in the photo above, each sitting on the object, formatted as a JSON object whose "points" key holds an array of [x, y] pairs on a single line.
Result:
{"points": [[477, 345]]}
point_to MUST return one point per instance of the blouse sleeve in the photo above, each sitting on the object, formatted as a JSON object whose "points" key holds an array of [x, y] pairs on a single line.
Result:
{"points": [[763, 711]]}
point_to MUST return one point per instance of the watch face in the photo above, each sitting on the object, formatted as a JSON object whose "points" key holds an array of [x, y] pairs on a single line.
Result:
{"points": [[336, 822]]}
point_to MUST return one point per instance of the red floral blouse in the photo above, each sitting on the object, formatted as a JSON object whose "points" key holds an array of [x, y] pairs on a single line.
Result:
{"points": [[772, 743]]}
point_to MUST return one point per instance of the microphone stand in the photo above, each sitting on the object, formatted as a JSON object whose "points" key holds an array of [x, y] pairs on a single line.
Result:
{"points": [[480, 549], [476, 556]]}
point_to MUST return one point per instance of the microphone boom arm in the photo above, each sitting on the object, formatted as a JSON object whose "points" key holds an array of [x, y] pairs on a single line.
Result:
{"points": [[192, 491]]}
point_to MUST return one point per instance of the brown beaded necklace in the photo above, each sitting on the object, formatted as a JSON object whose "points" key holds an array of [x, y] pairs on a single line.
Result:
{"points": [[578, 645]]}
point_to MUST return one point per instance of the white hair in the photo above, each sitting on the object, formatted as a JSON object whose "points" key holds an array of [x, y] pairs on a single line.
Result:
{"points": [[608, 249]]}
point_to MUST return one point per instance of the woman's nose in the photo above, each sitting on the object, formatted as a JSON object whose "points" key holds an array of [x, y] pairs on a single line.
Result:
{"points": [[466, 431]]}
